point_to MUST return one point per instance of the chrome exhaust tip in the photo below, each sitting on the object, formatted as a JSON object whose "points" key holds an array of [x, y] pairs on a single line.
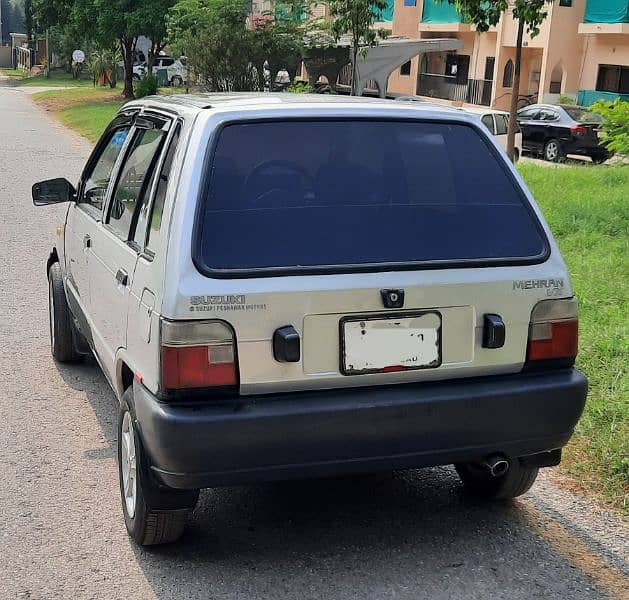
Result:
{"points": [[497, 465]]}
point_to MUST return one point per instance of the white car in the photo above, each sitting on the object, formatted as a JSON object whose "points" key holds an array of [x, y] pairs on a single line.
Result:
{"points": [[175, 69], [286, 285], [497, 121]]}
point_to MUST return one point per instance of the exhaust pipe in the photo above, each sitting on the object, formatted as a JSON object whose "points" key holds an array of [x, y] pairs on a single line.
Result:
{"points": [[496, 464]]}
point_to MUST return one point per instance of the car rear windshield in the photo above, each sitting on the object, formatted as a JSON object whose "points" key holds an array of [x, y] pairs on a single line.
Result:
{"points": [[350, 195], [583, 114]]}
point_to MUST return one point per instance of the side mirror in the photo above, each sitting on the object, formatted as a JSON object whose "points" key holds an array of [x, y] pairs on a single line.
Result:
{"points": [[53, 191]]}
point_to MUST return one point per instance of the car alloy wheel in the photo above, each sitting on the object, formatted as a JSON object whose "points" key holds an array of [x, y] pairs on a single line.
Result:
{"points": [[128, 464], [552, 152]]}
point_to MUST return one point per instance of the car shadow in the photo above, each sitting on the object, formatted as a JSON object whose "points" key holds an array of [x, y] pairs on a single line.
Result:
{"points": [[405, 535]]}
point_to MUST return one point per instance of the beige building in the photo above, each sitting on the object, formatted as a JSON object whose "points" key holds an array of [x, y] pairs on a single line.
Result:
{"points": [[582, 51]]}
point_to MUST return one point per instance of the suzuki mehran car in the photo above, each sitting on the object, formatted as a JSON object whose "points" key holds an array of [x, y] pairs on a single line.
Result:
{"points": [[288, 286]]}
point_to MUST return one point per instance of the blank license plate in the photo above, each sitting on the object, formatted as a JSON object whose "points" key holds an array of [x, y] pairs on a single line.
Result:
{"points": [[395, 343]]}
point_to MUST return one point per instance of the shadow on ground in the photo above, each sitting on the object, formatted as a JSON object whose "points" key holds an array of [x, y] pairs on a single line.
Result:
{"points": [[391, 535]]}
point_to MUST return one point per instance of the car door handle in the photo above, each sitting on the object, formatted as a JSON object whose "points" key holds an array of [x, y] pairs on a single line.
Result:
{"points": [[122, 277], [87, 242]]}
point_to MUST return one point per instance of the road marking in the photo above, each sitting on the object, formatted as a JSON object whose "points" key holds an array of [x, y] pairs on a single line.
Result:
{"points": [[606, 576]]}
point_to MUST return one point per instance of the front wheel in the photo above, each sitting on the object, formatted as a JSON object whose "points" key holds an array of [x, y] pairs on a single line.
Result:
{"points": [[553, 151], [478, 481], [176, 81], [61, 321], [153, 514]]}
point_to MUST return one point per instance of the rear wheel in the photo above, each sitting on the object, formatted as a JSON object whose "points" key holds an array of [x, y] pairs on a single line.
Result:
{"points": [[553, 151], [176, 81], [516, 155], [599, 159], [153, 514], [479, 482], [61, 324]]}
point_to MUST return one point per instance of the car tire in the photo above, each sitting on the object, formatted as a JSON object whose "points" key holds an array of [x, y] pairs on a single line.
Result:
{"points": [[152, 513], [516, 155], [599, 159], [553, 151], [176, 81], [479, 482], [61, 321]]}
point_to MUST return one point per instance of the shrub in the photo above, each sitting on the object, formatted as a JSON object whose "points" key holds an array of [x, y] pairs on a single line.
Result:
{"points": [[566, 100], [147, 86], [299, 87], [615, 124]]}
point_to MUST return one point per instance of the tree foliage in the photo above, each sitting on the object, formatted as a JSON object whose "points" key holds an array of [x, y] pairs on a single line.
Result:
{"points": [[615, 124], [356, 18], [222, 52]]}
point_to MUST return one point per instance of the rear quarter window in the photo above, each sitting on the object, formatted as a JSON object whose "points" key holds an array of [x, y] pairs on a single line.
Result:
{"points": [[352, 194]]}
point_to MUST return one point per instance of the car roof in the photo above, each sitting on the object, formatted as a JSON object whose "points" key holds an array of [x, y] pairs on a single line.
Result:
{"points": [[484, 111], [264, 100]]}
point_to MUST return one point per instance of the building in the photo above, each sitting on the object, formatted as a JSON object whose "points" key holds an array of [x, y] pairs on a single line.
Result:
{"points": [[581, 51]]}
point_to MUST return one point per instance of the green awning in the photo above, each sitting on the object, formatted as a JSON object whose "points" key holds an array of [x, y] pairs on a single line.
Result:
{"points": [[440, 12], [607, 11]]}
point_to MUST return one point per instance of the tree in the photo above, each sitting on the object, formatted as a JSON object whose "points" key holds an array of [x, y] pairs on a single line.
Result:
{"points": [[154, 29], [356, 18], [484, 14], [223, 52], [615, 124]]}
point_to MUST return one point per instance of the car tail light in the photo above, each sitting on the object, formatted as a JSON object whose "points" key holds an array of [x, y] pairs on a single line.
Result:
{"points": [[578, 129], [554, 331], [197, 354]]}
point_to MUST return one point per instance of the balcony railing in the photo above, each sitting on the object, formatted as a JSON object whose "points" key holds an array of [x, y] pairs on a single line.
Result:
{"points": [[448, 87]]}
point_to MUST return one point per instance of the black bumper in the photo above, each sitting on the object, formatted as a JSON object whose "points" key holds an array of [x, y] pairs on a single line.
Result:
{"points": [[310, 434]]}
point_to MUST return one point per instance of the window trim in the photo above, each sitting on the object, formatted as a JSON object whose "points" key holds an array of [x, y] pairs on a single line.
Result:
{"points": [[121, 121], [141, 123], [176, 125], [214, 273]]}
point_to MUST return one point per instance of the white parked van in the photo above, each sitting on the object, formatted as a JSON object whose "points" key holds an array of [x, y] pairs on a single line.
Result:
{"points": [[282, 286]]}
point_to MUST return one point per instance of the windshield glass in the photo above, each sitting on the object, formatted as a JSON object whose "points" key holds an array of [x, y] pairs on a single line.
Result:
{"points": [[303, 194]]}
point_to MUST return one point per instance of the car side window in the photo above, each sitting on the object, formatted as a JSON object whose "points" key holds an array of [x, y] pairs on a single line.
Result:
{"points": [[133, 180], [502, 124], [97, 182], [530, 114], [160, 193], [488, 121], [548, 115]]}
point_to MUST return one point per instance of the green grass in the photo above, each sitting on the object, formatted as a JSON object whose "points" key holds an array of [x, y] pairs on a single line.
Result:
{"points": [[588, 211], [13, 73], [57, 79]]}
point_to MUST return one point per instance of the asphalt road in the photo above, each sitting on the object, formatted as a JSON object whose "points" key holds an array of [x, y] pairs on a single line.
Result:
{"points": [[402, 536]]}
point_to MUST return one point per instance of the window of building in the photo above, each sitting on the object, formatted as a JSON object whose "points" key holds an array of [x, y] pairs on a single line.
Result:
{"points": [[613, 78], [405, 69], [410, 2], [567, 3], [507, 75]]}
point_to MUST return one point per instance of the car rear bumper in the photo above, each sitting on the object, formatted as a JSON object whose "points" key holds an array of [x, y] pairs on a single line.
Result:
{"points": [[357, 430]]}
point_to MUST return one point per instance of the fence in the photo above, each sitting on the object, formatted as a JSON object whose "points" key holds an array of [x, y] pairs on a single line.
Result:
{"points": [[449, 87]]}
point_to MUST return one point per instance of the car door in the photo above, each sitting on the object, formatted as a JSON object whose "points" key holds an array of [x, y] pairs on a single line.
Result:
{"points": [[549, 126], [114, 250], [85, 215], [529, 124]]}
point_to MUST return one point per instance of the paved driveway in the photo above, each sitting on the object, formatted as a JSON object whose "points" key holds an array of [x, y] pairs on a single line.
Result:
{"points": [[403, 536]]}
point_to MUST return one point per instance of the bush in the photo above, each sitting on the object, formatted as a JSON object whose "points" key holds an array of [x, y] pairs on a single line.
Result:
{"points": [[615, 124], [299, 87], [147, 86], [566, 100]]}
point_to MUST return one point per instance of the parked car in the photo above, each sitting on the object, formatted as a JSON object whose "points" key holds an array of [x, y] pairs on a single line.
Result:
{"points": [[555, 131], [282, 286], [175, 69], [497, 122]]}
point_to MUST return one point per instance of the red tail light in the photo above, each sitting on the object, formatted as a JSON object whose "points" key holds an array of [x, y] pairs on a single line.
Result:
{"points": [[197, 354], [578, 129], [554, 330]]}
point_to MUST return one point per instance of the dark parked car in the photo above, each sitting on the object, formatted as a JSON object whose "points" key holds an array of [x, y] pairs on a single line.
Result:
{"points": [[554, 131]]}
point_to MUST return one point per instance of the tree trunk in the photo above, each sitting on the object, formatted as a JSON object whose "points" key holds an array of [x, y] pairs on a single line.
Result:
{"points": [[515, 92], [355, 69], [127, 45]]}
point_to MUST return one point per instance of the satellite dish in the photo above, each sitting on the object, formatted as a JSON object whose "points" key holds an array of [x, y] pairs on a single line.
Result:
{"points": [[78, 56]]}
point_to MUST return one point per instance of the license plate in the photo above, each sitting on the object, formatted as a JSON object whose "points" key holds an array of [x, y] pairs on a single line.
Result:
{"points": [[381, 344]]}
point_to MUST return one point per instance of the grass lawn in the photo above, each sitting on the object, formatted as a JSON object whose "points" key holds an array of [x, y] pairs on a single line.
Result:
{"points": [[57, 79], [588, 211], [13, 73]]}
